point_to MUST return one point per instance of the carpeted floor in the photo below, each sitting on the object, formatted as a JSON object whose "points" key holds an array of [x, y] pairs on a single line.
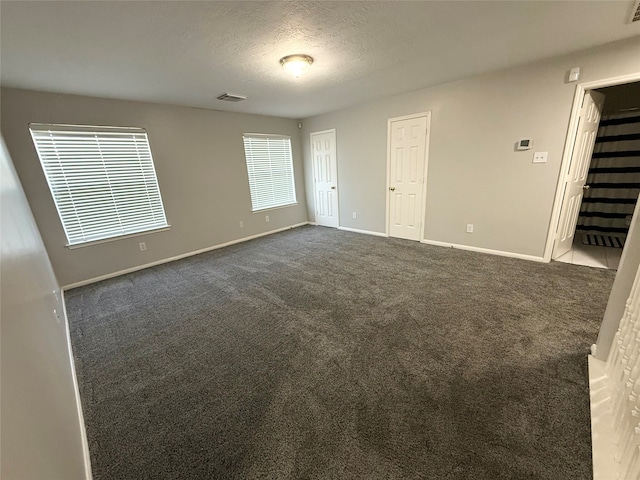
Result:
{"points": [[324, 354]]}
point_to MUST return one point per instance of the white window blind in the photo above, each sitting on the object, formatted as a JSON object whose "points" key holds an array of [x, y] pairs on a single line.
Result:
{"points": [[102, 180], [270, 170]]}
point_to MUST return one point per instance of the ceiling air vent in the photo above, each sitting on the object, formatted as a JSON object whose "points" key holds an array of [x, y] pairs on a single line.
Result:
{"points": [[232, 97], [634, 16]]}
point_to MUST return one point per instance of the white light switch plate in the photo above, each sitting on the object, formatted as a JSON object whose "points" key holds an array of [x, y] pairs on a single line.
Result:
{"points": [[540, 157], [574, 74]]}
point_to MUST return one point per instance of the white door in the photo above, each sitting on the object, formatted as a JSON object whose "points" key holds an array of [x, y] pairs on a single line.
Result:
{"points": [[325, 176], [576, 176], [406, 176]]}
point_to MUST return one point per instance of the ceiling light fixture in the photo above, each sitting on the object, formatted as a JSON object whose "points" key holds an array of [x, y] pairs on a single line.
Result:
{"points": [[296, 65]]}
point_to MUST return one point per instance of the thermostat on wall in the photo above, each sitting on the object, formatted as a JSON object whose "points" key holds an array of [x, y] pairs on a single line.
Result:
{"points": [[524, 144]]}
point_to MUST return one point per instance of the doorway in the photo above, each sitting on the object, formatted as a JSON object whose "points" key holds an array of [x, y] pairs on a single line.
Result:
{"points": [[325, 177], [407, 147], [597, 193]]}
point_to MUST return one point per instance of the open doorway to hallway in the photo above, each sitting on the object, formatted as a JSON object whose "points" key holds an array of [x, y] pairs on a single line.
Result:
{"points": [[600, 219]]}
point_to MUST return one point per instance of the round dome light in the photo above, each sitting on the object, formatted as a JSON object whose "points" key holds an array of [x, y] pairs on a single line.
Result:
{"points": [[296, 65]]}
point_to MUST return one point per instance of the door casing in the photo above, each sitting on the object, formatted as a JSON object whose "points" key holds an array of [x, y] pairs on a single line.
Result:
{"points": [[572, 131]]}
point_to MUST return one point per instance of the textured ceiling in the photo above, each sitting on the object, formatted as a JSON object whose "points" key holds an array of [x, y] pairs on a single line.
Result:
{"points": [[188, 53]]}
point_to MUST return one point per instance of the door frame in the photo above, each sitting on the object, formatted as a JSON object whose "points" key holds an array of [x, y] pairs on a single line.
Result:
{"points": [[569, 143], [321, 132], [423, 205]]}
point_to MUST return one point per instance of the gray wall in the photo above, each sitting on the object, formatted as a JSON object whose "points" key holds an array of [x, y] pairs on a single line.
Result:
{"points": [[199, 158], [40, 432], [474, 174]]}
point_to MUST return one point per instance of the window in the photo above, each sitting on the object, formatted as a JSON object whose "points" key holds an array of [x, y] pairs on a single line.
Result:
{"points": [[270, 170], [102, 180]]}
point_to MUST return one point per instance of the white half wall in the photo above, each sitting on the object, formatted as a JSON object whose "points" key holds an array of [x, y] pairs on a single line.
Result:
{"points": [[475, 175], [201, 169], [42, 431], [629, 263]]}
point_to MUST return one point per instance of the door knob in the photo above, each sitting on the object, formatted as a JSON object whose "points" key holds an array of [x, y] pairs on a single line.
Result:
{"points": [[393, 189], [586, 187], [333, 187]]}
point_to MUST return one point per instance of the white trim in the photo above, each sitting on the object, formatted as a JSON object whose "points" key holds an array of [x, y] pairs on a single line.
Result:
{"points": [[568, 149], [323, 131], [423, 206], [386, 189], [437, 243], [76, 389], [265, 209], [603, 448], [366, 232], [70, 127], [500, 253], [335, 146], [178, 257], [119, 237], [424, 175], [277, 136]]}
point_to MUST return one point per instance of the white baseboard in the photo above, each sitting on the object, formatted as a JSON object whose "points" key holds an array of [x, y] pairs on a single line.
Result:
{"points": [[500, 253], [366, 232], [179, 257], [83, 430], [437, 243]]}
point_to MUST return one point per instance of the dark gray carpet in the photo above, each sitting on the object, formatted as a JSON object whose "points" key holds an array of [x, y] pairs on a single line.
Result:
{"points": [[325, 354]]}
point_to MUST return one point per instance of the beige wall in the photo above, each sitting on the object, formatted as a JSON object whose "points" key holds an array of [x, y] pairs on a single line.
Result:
{"points": [[41, 434], [474, 174], [199, 158]]}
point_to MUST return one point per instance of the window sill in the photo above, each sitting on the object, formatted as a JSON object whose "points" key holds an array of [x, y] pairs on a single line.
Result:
{"points": [[260, 210], [120, 237]]}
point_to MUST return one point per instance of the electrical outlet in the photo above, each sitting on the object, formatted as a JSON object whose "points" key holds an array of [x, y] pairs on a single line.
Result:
{"points": [[143, 246], [355, 215], [241, 224], [469, 227], [266, 218]]}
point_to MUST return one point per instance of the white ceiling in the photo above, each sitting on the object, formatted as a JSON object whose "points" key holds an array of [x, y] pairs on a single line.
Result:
{"points": [[188, 53]]}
